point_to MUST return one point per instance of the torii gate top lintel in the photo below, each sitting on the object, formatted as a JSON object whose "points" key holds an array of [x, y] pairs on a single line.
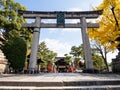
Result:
{"points": [[68, 14]]}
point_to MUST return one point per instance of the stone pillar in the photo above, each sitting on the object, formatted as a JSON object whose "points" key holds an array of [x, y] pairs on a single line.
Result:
{"points": [[34, 48], [87, 49]]}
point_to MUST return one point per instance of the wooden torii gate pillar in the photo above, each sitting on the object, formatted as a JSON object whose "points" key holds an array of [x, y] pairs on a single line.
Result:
{"points": [[37, 15]]}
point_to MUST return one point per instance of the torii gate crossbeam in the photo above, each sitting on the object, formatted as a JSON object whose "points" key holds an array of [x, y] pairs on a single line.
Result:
{"points": [[38, 15]]}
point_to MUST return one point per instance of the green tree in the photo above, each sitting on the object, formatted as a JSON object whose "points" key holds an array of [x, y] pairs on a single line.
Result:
{"points": [[45, 54], [67, 59], [98, 62], [77, 51], [10, 28], [15, 51], [103, 51], [11, 21], [77, 62], [78, 54]]}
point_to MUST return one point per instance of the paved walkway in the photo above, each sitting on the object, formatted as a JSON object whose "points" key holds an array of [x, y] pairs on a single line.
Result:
{"points": [[58, 77]]}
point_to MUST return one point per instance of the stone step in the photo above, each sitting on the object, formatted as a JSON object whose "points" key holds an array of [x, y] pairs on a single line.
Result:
{"points": [[62, 83], [32, 83], [59, 81], [91, 83], [104, 87]]}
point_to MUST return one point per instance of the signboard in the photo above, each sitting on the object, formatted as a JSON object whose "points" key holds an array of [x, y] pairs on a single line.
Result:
{"points": [[60, 18]]}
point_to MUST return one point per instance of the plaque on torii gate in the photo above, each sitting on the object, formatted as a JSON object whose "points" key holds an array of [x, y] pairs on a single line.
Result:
{"points": [[38, 15]]}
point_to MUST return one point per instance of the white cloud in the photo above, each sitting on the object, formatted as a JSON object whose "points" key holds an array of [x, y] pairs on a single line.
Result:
{"points": [[57, 46], [111, 55]]}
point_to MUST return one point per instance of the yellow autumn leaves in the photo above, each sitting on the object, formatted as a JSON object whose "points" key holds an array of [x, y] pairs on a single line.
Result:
{"points": [[108, 33]]}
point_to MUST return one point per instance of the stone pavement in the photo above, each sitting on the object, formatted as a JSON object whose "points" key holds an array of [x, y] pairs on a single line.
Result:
{"points": [[58, 77], [60, 81]]}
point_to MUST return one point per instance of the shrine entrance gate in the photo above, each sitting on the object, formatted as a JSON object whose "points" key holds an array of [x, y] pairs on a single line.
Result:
{"points": [[61, 16]]}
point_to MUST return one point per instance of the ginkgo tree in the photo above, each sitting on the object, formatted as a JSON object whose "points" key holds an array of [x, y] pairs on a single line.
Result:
{"points": [[108, 32], [108, 35]]}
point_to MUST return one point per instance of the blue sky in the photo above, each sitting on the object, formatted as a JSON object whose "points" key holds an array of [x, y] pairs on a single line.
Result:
{"points": [[60, 40], [55, 5]]}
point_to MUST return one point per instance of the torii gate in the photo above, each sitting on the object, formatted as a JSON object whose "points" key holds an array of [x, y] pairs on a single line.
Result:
{"points": [[38, 15]]}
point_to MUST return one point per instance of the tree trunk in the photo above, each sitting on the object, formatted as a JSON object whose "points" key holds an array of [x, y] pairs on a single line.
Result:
{"points": [[105, 59], [104, 56]]}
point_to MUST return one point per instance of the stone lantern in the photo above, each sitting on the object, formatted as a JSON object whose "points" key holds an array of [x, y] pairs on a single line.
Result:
{"points": [[3, 63]]}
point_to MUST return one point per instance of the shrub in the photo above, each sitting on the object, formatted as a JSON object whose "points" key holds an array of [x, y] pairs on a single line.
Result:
{"points": [[15, 51]]}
